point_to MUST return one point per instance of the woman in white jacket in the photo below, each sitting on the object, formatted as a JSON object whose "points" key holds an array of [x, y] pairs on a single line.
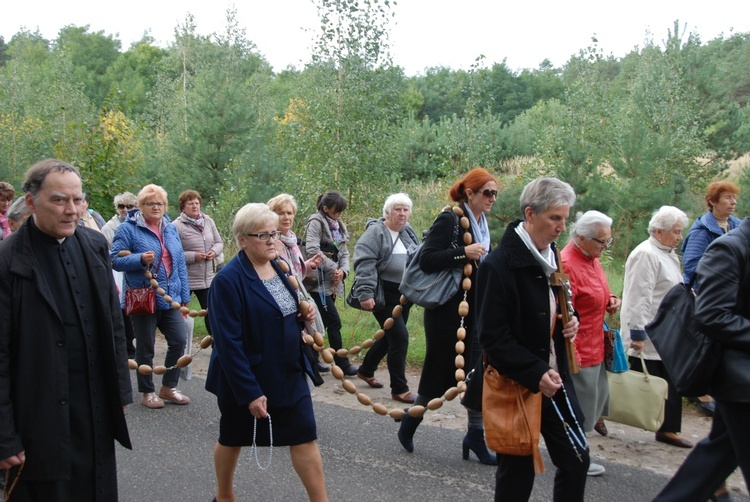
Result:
{"points": [[652, 269]]}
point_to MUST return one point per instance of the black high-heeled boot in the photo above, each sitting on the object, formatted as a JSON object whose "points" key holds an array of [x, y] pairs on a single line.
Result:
{"points": [[474, 441], [406, 432]]}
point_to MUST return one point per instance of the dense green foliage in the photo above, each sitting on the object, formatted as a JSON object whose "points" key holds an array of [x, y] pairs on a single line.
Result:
{"points": [[209, 113]]}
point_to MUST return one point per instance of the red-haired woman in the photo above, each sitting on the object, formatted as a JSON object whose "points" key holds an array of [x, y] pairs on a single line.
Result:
{"points": [[721, 199], [475, 193]]}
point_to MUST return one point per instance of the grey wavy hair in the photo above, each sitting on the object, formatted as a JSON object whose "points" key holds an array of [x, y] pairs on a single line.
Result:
{"points": [[544, 193], [396, 199], [18, 210], [588, 223], [125, 198], [665, 218]]}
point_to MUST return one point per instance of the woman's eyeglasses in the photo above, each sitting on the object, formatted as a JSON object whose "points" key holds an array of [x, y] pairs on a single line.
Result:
{"points": [[152, 204], [123, 206], [604, 244], [489, 193], [264, 237]]}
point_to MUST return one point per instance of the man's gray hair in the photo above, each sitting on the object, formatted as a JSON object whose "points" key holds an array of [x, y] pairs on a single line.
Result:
{"points": [[666, 218], [397, 199], [588, 223], [18, 210], [36, 174], [544, 193]]}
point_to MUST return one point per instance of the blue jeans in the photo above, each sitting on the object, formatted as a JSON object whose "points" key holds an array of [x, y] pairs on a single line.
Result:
{"points": [[172, 325]]}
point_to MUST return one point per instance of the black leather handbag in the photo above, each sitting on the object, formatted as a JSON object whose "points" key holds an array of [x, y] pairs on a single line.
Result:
{"points": [[689, 356]]}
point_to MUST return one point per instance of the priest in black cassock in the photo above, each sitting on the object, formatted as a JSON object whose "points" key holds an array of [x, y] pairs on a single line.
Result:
{"points": [[64, 379]]}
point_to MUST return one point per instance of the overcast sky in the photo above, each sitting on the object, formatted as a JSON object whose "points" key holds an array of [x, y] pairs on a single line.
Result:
{"points": [[424, 33]]}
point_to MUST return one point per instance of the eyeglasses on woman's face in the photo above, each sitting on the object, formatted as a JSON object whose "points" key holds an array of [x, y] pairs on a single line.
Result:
{"points": [[265, 236], [489, 193], [604, 244], [123, 206], [153, 204]]}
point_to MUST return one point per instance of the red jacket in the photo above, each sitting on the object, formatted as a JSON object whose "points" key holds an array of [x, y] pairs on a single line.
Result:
{"points": [[591, 294]]}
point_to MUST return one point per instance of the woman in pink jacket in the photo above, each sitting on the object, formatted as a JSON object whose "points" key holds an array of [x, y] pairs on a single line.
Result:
{"points": [[590, 235]]}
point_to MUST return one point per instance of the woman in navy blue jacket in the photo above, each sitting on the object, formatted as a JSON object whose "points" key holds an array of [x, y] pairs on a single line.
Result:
{"points": [[154, 245], [257, 368]]}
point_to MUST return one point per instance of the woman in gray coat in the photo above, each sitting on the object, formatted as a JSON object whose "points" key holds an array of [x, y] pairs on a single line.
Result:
{"points": [[380, 257], [201, 242], [326, 233]]}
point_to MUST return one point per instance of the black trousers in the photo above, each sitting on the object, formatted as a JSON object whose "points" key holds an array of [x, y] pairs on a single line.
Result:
{"points": [[395, 343], [673, 406], [202, 296], [514, 478], [332, 322], [713, 459]]}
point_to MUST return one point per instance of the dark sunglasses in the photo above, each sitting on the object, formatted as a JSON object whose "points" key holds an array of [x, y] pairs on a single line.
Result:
{"points": [[489, 193], [123, 206]]}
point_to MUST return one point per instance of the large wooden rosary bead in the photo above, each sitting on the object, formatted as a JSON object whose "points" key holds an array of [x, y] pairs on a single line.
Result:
{"points": [[304, 308], [379, 409], [459, 361], [364, 399], [337, 372], [397, 413], [318, 337], [451, 393], [184, 361], [416, 411], [463, 308], [434, 404]]}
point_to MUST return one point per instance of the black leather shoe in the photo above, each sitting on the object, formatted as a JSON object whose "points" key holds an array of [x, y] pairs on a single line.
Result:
{"points": [[322, 368], [708, 407], [674, 439], [351, 370]]}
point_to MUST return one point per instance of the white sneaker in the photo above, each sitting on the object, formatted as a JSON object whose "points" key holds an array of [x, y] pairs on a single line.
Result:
{"points": [[595, 470]]}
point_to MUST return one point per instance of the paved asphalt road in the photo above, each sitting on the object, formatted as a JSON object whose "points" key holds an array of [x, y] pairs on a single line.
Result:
{"points": [[172, 460]]}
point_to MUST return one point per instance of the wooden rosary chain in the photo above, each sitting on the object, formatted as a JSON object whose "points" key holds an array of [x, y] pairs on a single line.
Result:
{"points": [[414, 411], [317, 340], [182, 362]]}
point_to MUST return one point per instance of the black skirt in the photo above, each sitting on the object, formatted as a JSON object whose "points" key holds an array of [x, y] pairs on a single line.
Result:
{"points": [[291, 425]]}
